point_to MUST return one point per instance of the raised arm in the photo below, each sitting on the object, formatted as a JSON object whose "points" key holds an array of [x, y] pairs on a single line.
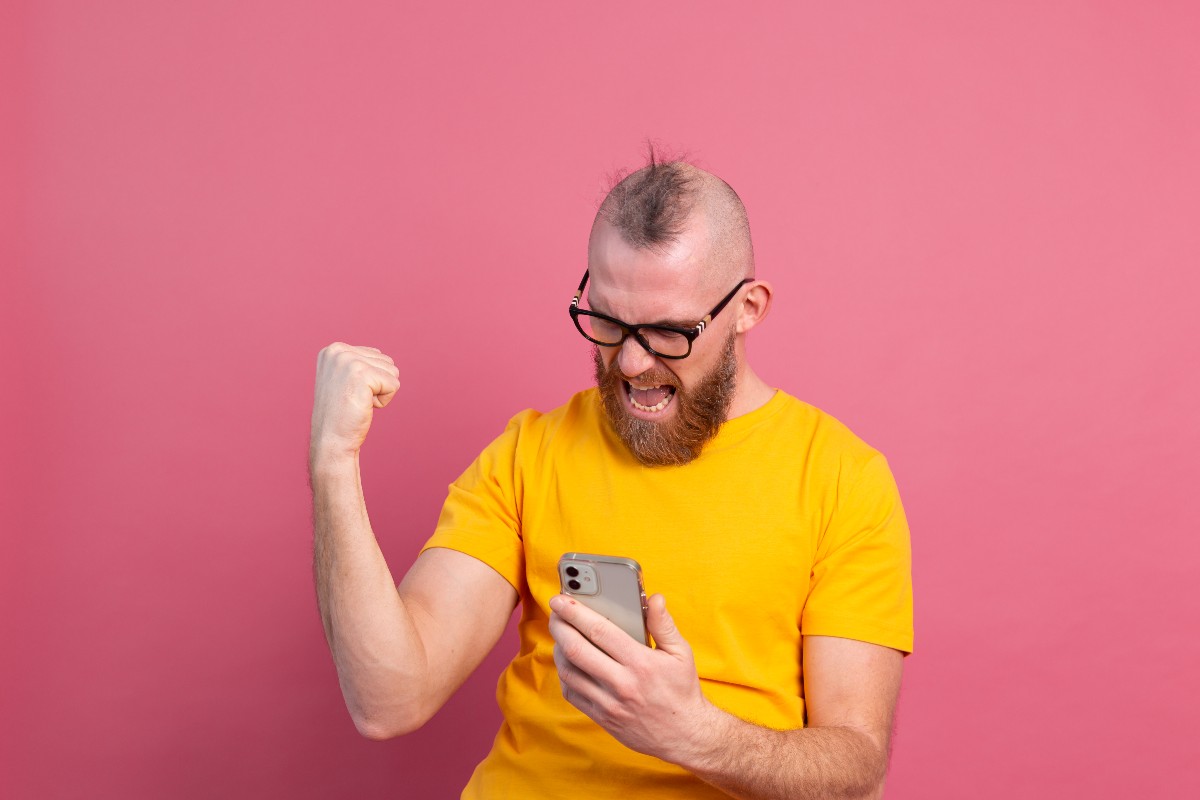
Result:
{"points": [[400, 652]]}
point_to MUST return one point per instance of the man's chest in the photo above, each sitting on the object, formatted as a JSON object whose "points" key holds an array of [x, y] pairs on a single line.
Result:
{"points": [[731, 550]]}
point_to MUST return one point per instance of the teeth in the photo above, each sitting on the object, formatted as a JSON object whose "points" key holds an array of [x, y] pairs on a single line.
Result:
{"points": [[659, 407]]}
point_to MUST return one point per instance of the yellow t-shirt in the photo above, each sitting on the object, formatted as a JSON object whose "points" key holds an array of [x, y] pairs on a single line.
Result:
{"points": [[787, 524]]}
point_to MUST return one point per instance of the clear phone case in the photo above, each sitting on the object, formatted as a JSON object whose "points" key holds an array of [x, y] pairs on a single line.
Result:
{"points": [[609, 585]]}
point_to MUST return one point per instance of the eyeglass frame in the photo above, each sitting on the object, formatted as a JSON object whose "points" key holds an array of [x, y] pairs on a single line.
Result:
{"points": [[632, 330]]}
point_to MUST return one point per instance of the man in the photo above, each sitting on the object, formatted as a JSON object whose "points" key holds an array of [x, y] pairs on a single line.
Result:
{"points": [[776, 535]]}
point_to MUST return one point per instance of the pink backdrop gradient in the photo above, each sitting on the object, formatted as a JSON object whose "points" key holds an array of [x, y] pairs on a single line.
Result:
{"points": [[980, 220]]}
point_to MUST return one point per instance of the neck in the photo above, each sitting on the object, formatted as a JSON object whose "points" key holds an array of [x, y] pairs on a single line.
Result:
{"points": [[752, 393]]}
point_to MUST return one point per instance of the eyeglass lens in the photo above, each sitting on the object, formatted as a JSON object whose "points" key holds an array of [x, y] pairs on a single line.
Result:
{"points": [[667, 343]]}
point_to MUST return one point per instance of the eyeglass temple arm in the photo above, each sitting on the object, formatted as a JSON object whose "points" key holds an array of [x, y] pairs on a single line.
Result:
{"points": [[700, 326], [579, 291]]}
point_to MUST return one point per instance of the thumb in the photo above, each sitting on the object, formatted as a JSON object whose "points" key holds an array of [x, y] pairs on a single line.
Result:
{"points": [[662, 627], [384, 389]]}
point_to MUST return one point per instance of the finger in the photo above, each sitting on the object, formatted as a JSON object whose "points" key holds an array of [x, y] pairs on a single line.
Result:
{"points": [[581, 653], [338, 356], [357, 351], [336, 348], [384, 386], [373, 382], [387, 365], [378, 359], [616, 643], [662, 627], [578, 688], [574, 645], [575, 679]]}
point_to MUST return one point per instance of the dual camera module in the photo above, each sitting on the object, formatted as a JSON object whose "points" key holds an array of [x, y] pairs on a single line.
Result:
{"points": [[573, 575], [579, 577]]}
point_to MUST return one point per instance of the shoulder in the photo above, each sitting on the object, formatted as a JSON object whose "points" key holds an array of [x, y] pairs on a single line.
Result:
{"points": [[831, 448], [581, 408], [530, 436], [825, 430], [533, 429]]}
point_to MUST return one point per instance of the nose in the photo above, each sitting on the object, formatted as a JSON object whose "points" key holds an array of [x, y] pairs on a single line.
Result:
{"points": [[633, 359]]}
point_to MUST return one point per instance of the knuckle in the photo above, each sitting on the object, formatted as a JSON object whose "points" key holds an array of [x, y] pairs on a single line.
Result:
{"points": [[639, 670], [610, 711], [598, 632], [625, 692]]}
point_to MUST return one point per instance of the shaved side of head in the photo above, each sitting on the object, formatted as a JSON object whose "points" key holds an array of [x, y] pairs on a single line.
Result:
{"points": [[653, 206], [731, 255]]}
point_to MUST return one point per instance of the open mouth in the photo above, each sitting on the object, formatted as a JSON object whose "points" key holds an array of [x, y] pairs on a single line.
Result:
{"points": [[649, 399]]}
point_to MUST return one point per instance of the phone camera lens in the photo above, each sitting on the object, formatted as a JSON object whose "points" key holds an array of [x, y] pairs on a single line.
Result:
{"points": [[574, 584], [572, 572]]}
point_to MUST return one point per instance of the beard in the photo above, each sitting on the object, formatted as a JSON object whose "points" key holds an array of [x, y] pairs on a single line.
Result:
{"points": [[699, 411]]}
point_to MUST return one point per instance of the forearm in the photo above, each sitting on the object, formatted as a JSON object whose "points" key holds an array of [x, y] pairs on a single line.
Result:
{"points": [[375, 646], [754, 763]]}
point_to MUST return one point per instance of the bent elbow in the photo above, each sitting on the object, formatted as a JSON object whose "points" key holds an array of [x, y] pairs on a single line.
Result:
{"points": [[376, 732], [388, 709], [380, 728]]}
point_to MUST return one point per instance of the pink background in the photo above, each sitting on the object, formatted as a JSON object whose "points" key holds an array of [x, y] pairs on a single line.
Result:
{"points": [[980, 219]]}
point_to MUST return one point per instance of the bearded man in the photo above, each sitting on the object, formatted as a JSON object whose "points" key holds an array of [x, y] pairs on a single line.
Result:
{"points": [[776, 534]]}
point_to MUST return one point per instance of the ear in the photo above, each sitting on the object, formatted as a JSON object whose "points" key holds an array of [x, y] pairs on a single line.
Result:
{"points": [[754, 306]]}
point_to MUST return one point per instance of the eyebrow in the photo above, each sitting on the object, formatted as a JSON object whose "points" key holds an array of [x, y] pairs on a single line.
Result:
{"points": [[669, 323], [677, 323]]}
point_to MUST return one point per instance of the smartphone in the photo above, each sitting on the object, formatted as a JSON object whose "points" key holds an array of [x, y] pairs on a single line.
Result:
{"points": [[610, 586]]}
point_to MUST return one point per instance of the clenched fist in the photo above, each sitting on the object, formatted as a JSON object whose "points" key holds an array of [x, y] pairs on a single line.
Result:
{"points": [[351, 383]]}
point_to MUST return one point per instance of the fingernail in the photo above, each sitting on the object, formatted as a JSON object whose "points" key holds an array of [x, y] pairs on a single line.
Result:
{"points": [[555, 603]]}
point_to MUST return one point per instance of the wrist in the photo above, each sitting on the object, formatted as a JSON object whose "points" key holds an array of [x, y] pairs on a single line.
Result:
{"points": [[324, 459], [710, 740]]}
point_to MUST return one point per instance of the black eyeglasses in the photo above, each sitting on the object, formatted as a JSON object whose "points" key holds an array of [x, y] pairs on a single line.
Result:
{"points": [[664, 341]]}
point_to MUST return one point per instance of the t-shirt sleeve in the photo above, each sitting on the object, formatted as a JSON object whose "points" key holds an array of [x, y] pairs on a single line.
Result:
{"points": [[861, 584], [482, 513]]}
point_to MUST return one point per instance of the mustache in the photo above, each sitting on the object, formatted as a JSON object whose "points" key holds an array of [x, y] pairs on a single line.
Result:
{"points": [[613, 374]]}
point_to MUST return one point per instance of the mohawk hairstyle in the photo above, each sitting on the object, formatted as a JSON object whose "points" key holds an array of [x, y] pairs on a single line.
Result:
{"points": [[651, 206]]}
